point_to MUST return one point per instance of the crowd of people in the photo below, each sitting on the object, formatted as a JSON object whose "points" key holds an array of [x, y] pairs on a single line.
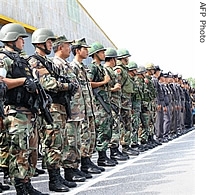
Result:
{"points": [[65, 110]]}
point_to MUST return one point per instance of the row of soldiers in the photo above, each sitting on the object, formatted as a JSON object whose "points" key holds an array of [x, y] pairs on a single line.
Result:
{"points": [[72, 109]]}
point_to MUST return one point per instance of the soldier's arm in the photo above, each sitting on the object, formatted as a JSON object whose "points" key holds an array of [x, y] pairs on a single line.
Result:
{"points": [[12, 83]]}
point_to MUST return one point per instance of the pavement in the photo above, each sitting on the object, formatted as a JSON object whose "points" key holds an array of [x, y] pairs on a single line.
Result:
{"points": [[168, 169]]}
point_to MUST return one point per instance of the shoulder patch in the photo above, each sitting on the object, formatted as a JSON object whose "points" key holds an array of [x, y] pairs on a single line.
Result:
{"points": [[118, 70]]}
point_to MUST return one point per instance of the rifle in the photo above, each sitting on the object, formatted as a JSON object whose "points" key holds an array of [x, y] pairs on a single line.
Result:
{"points": [[63, 79], [115, 109], [44, 100], [99, 98]]}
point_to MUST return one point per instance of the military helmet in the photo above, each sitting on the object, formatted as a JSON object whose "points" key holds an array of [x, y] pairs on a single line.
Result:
{"points": [[141, 70], [122, 53], [41, 35], [11, 32], [95, 47], [132, 66], [110, 53], [150, 66]]}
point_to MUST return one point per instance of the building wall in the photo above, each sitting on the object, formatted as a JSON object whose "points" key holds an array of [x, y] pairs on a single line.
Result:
{"points": [[63, 17]]}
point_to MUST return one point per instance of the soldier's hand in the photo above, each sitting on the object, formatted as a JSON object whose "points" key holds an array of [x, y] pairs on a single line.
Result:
{"points": [[106, 78], [30, 85], [116, 87], [73, 87]]}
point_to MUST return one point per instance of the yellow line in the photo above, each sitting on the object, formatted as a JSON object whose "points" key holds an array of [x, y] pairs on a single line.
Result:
{"points": [[6, 20], [96, 24]]}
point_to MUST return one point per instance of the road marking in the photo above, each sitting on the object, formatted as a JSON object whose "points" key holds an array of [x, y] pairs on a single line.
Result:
{"points": [[121, 166]]}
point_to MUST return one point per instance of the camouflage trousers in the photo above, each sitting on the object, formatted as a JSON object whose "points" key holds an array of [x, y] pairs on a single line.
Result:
{"points": [[136, 121], [71, 155], [103, 129], [52, 139], [126, 127], [88, 137], [145, 116], [116, 129], [15, 143]]}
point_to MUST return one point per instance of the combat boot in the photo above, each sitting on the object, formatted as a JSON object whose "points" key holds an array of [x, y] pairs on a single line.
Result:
{"points": [[4, 187], [115, 154], [73, 176], [103, 160], [6, 178], [94, 165], [20, 187], [55, 182], [87, 167], [31, 190], [129, 151]]}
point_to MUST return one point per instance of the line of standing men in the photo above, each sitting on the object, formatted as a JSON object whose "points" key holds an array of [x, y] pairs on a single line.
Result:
{"points": [[99, 107]]}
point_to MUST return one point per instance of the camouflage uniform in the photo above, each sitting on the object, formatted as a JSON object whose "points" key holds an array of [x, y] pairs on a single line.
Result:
{"points": [[136, 108], [103, 119], [4, 153], [126, 105], [99, 79], [115, 99], [58, 89]]}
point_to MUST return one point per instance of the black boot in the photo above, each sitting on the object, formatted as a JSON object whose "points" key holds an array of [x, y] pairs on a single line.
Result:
{"points": [[115, 154], [94, 165], [20, 187], [71, 175], [4, 187], [129, 151], [103, 160], [87, 167], [55, 183], [65, 182], [31, 190], [6, 179]]}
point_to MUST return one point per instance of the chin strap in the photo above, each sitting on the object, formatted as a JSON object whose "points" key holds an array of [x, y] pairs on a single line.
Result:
{"points": [[45, 50]]}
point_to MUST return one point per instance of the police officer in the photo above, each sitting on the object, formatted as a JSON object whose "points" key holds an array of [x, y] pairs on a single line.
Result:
{"points": [[126, 104], [87, 106], [21, 97], [160, 104], [110, 63], [42, 39], [99, 80]]}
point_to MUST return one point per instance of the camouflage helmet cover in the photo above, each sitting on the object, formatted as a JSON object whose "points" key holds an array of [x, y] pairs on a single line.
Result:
{"points": [[96, 47], [61, 39], [41, 35], [80, 42], [11, 32]]}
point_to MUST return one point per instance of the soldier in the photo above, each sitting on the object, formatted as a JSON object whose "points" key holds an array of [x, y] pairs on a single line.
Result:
{"points": [[110, 63], [88, 132], [21, 97], [99, 80], [150, 94], [72, 121], [136, 105], [3, 140], [126, 104], [52, 132]]}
